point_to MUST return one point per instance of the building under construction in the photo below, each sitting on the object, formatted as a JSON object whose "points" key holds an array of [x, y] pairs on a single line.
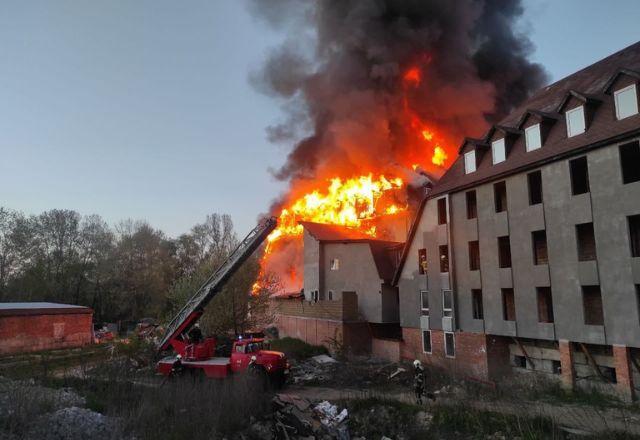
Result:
{"points": [[523, 258]]}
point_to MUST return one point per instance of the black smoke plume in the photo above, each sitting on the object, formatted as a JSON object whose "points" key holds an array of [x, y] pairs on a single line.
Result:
{"points": [[339, 74]]}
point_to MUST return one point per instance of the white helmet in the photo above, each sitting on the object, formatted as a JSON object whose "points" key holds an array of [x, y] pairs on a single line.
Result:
{"points": [[417, 363], [179, 357], [197, 325]]}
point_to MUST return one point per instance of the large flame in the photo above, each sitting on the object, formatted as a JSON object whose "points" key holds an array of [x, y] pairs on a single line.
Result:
{"points": [[358, 201]]}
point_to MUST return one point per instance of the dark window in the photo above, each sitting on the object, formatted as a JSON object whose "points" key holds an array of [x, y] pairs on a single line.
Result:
{"points": [[424, 302], [508, 305], [634, 234], [426, 341], [472, 205], [504, 252], [442, 211], [592, 303], [630, 162], [519, 361], [500, 195], [444, 258], [579, 175], [422, 261], [476, 303], [545, 304], [535, 187], [474, 255], [539, 241], [449, 344], [447, 303], [556, 367], [638, 299], [586, 242]]}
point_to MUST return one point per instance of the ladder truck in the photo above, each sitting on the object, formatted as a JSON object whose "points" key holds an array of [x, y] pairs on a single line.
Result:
{"points": [[198, 357]]}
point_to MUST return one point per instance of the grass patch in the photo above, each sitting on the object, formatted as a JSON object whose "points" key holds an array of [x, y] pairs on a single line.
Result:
{"points": [[375, 416], [297, 348], [475, 424]]}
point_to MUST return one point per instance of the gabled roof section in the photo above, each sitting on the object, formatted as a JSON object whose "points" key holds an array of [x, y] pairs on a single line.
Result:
{"points": [[615, 76], [586, 98], [541, 115], [472, 141], [324, 232], [588, 84]]}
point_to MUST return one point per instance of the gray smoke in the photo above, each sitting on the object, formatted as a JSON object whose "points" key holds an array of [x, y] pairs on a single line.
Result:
{"points": [[339, 75]]}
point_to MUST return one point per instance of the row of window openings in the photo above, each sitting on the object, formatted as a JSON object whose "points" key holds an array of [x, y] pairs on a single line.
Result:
{"points": [[626, 103], [449, 343], [579, 175], [591, 302], [585, 241]]}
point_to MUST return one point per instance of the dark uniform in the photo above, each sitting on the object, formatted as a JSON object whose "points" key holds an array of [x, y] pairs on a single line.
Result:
{"points": [[418, 383], [195, 335], [177, 368]]}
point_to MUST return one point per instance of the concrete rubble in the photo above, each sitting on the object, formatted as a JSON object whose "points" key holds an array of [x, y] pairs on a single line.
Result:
{"points": [[295, 418]]}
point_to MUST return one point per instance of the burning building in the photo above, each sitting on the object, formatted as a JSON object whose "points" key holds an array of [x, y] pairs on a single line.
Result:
{"points": [[525, 257]]}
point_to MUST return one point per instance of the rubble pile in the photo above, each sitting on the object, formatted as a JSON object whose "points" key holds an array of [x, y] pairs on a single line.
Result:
{"points": [[295, 418], [359, 373], [74, 424]]}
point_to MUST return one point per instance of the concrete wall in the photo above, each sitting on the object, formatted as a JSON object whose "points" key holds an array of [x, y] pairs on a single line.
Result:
{"points": [[28, 333], [607, 206], [357, 273], [312, 265]]}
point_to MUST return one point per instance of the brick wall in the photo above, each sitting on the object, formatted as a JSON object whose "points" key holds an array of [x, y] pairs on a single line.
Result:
{"points": [[388, 349], [345, 309], [44, 332], [470, 360]]}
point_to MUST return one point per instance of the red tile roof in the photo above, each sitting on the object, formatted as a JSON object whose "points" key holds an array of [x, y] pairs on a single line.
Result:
{"points": [[590, 83]]}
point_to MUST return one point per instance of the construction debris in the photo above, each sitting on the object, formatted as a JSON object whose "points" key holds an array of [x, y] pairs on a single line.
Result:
{"points": [[323, 359]]}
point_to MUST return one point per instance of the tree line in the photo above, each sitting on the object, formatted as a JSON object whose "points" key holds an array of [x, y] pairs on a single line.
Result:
{"points": [[126, 272]]}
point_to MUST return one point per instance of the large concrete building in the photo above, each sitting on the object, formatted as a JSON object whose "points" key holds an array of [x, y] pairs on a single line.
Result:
{"points": [[525, 256]]}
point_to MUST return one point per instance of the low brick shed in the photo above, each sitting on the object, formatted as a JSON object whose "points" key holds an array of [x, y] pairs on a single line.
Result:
{"points": [[34, 326]]}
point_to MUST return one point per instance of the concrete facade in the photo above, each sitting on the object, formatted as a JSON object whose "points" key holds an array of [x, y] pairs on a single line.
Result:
{"points": [[545, 327]]}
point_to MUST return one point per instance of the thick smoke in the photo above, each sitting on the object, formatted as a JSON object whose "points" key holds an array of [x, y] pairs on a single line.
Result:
{"points": [[339, 74]]}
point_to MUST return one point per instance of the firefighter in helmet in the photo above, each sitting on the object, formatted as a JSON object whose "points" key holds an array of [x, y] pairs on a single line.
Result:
{"points": [[418, 381]]}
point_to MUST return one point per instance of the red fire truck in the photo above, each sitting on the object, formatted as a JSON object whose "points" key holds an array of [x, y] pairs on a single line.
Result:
{"points": [[247, 355]]}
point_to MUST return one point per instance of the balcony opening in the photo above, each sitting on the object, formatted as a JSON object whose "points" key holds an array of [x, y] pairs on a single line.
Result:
{"points": [[474, 255], [422, 261], [508, 305], [545, 304], [592, 304], [539, 241], [442, 211], [586, 242], [634, 234], [630, 162], [500, 195], [579, 173], [504, 252], [472, 206], [535, 187], [476, 303]]}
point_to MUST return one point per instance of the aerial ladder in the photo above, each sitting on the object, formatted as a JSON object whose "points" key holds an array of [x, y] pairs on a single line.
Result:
{"points": [[175, 334]]}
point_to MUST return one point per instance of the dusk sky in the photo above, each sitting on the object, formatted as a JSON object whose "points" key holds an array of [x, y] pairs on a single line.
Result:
{"points": [[143, 109]]}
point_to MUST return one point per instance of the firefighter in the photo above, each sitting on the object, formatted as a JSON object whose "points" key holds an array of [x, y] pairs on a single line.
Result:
{"points": [[195, 335], [177, 368], [418, 380]]}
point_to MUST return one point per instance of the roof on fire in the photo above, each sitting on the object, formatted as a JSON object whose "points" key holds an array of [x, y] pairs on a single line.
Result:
{"points": [[383, 251], [589, 84], [41, 308]]}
